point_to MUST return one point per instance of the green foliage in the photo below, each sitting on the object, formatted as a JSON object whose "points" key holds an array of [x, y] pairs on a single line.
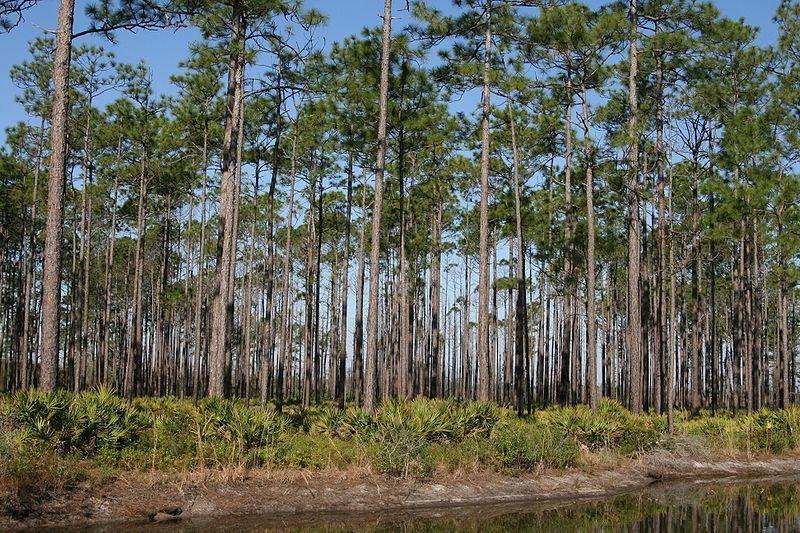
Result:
{"points": [[303, 450], [51, 431], [400, 435], [765, 431], [30, 470], [87, 423], [401, 453], [229, 432], [518, 446], [774, 431], [611, 426]]}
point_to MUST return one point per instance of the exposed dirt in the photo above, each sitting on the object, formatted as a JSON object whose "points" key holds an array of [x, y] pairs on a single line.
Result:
{"points": [[136, 498]]}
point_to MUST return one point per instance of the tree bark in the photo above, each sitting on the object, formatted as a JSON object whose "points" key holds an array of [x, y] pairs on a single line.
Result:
{"points": [[358, 333], [370, 389], [341, 363], [30, 271], [565, 387], [484, 378], [134, 356], [222, 310], [521, 308], [110, 367], [54, 229], [435, 295], [199, 285], [634, 329], [285, 346], [591, 324]]}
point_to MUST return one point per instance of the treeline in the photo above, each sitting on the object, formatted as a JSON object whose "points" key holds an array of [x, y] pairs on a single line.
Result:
{"points": [[531, 203]]}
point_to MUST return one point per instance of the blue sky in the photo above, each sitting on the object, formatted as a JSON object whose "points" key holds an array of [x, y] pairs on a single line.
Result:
{"points": [[163, 50]]}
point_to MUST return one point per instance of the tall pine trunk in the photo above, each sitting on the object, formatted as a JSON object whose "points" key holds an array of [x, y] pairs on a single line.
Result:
{"points": [[222, 310], [634, 328], [132, 381], [341, 362], [285, 347], [370, 387], [483, 246], [54, 229], [521, 308], [591, 324], [199, 285]]}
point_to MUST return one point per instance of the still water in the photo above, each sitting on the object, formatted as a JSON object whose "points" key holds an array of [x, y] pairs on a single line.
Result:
{"points": [[735, 506]]}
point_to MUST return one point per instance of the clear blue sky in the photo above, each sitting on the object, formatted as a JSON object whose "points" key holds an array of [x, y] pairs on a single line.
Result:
{"points": [[163, 50]]}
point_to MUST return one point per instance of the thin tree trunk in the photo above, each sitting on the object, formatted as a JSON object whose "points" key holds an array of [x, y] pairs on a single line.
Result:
{"points": [[30, 271], [371, 392], [358, 334], [521, 308], [248, 293], [591, 325], [317, 290], [435, 295], [673, 331], [308, 362], [199, 285], [341, 364], [483, 271], [565, 387], [287, 273], [661, 329], [634, 333], [110, 367], [134, 356], [85, 253]]}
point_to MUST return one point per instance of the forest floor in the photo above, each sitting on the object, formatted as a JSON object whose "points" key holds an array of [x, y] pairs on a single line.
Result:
{"points": [[300, 497]]}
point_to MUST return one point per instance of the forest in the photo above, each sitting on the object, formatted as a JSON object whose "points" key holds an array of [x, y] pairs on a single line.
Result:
{"points": [[528, 202]]}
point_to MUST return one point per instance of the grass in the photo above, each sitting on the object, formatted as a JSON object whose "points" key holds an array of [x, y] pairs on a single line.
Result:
{"points": [[53, 441]]}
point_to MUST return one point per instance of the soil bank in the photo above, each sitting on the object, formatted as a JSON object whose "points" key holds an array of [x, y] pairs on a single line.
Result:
{"points": [[135, 498]]}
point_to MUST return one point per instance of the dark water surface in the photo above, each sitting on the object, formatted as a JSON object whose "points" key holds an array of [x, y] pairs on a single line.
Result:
{"points": [[727, 505]]}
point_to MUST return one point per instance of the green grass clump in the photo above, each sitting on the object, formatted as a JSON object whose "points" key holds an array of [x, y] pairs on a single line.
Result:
{"points": [[765, 431], [773, 431], [308, 451], [518, 446], [611, 426]]}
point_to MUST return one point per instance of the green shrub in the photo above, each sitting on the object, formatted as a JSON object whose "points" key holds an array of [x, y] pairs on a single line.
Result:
{"points": [[229, 433], [720, 433], [771, 431], [102, 421], [302, 450], [765, 431], [86, 423], [468, 454], [611, 426], [475, 419], [43, 416], [30, 470], [424, 421], [170, 441], [401, 453], [520, 446]]}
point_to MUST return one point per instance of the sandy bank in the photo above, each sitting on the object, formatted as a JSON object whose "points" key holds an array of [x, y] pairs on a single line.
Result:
{"points": [[135, 498]]}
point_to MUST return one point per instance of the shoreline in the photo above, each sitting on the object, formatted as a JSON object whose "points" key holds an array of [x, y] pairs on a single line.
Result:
{"points": [[133, 499]]}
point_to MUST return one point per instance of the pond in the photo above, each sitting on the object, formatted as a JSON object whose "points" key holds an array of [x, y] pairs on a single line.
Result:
{"points": [[698, 506]]}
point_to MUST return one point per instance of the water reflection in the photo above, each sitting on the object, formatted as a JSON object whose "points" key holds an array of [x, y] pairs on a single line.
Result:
{"points": [[683, 507]]}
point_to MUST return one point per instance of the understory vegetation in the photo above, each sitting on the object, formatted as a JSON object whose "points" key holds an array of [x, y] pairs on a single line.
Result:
{"points": [[54, 440]]}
